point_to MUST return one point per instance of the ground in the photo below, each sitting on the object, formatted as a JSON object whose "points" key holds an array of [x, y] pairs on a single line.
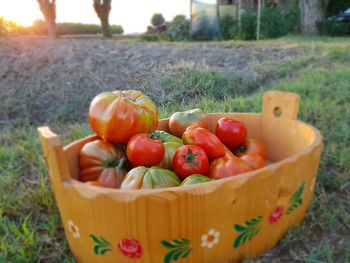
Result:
{"points": [[52, 82]]}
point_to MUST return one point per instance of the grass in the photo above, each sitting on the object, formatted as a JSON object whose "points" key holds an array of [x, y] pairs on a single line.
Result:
{"points": [[30, 228]]}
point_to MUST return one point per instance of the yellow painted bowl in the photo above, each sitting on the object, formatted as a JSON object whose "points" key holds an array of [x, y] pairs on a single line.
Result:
{"points": [[220, 221]]}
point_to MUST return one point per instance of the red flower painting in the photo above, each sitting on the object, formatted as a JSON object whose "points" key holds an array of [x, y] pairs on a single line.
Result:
{"points": [[130, 248], [276, 214]]}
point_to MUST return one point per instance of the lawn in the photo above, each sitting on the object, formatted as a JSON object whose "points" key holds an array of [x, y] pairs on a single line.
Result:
{"points": [[30, 227]]}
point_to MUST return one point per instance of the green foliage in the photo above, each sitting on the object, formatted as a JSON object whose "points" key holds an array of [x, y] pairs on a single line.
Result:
{"points": [[194, 84], [178, 29], [335, 7], [8, 27], [39, 27], [332, 28], [157, 20], [80, 29], [275, 22], [2, 26]]}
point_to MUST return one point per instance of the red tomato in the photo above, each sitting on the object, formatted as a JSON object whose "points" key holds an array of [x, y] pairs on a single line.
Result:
{"points": [[100, 157], [117, 116], [231, 132], [251, 146], [227, 166], [255, 161], [190, 159], [179, 121], [205, 139], [143, 150]]}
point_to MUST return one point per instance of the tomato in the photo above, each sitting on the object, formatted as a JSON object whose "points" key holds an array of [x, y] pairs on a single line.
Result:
{"points": [[251, 146], [190, 159], [179, 121], [255, 161], [148, 178], [195, 179], [228, 151], [171, 144], [205, 139], [231, 132], [145, 150], [227, 166], [117, 116], [100, 160], [94, 183]]}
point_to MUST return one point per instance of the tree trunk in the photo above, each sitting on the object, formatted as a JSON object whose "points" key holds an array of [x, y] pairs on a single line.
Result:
{"points": [[48, 8], [102, 9], [310, 12], [52, 29], [106, 32]]}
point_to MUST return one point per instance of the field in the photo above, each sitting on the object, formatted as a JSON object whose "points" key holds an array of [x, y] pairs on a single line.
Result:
{"points": [[52, 82]]}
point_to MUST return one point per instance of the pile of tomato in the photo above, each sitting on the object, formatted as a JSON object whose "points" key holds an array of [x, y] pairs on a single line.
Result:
{"points": [[131, 154]]}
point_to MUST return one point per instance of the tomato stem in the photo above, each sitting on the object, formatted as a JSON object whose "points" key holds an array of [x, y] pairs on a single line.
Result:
{"points": [[191, 158], [242, 148]]}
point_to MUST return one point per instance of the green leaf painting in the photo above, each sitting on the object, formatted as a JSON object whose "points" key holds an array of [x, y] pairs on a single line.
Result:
{"points": [[178, 249], [247, 231], [102, 246], [296, 200]]}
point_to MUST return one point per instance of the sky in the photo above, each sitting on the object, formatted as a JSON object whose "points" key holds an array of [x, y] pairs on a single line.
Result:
{"points": [[133, 15]]}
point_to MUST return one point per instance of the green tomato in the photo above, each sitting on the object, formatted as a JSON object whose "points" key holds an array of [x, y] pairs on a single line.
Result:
{"points": [[148, 178], [171, 144], [196, 179]]}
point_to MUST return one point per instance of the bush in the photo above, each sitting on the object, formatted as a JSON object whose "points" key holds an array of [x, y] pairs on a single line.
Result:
{"points": [[334, 7], [178, 29], [332, 28], [80, 29], [2, 26]]}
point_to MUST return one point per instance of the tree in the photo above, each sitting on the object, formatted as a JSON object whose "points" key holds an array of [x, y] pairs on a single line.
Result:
{"points": [[157, 20], [48, 8], [102, 9], [310, 12]]}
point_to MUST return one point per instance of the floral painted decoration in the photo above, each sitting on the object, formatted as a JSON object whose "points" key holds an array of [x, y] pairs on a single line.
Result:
{"points": [[247, 231], [210, 239], [130, 248], [179, 248], [276, 214], [296, 199], [102, 246], [73, 229]]}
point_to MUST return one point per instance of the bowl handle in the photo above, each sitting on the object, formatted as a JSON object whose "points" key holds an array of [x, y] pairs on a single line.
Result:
{"points": [[281, 104], [54, 155]]}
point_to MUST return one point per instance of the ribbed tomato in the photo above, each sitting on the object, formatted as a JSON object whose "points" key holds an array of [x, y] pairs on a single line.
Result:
{"points": [[227, 166], [101, 161], [117, 116], [251, 146], [255, 161]]}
